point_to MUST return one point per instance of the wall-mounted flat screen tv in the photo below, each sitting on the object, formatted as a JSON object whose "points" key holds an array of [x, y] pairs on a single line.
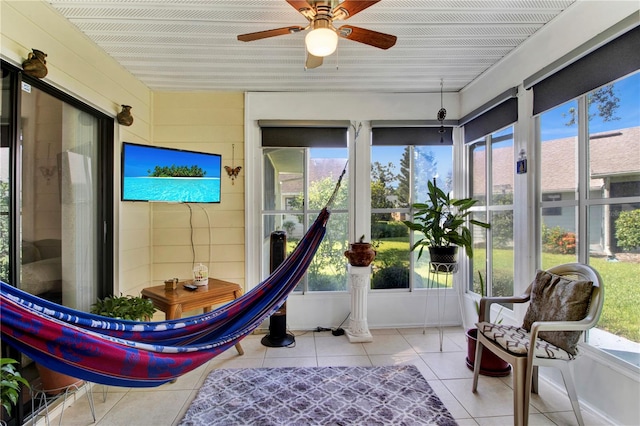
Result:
{"points": [[152, 173]]}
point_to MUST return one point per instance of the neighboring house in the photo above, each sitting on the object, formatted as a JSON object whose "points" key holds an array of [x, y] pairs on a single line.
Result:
{"points": [[615, 172]]}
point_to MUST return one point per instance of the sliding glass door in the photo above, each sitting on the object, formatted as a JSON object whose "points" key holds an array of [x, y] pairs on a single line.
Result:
{"points": [[56, 200], [58, 203]]}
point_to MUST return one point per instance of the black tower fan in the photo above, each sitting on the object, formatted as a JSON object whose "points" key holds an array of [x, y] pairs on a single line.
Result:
{"points": [[278, 336]]}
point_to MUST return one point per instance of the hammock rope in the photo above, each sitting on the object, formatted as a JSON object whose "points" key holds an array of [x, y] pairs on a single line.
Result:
{"points": [[146, 354]]}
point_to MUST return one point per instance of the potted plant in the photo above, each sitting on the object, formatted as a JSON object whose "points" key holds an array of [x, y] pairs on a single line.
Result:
{"points": [[360, 253], [10, 382], [442, 221], [132, 308], [490, 364]]}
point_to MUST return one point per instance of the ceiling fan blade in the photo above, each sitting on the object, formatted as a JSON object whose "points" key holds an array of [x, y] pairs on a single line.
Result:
{"points": [[303, 7], [353, 6], [372, 38], [313, 61], [270, 33]]}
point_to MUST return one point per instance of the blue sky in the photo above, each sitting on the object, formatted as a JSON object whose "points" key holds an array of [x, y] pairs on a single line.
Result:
{"points": [[627, 90], [139, 159]]}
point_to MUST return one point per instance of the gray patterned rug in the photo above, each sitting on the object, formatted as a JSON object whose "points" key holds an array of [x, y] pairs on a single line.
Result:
{"points": [[393, 395]]}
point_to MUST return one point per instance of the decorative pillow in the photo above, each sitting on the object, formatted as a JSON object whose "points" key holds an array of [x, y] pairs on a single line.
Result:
{"points": [[556, 298]]}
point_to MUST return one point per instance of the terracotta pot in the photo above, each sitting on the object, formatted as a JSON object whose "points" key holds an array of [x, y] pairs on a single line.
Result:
{"points": [[491, 364], [53, 382], [360, 254]]}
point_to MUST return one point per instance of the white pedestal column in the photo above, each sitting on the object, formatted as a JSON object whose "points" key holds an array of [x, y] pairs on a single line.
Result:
{"points": [[359, 278]]}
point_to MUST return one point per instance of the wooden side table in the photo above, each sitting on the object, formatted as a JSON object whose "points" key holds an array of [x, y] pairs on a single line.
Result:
{"points": [[174, 302]]}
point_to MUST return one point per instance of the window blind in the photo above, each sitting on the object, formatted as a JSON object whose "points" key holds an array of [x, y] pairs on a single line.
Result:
{"points": [[575, 77], [407, 133], [495, 118], [287, 133]]}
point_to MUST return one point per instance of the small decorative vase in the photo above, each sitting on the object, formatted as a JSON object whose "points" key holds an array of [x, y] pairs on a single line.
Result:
{"points": [[360, 254]]}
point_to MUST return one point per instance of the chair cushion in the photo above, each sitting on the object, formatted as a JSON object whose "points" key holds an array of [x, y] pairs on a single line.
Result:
{"points": [[516, 340], [557, 298]]}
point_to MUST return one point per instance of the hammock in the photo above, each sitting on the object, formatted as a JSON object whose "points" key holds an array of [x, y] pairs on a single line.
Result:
{"points": [[146, 354]]}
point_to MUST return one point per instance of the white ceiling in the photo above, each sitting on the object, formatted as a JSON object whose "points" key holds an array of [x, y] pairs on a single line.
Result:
{"points": [[191, 45]]}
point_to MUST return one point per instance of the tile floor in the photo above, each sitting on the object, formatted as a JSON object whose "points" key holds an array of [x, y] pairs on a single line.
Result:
{"points": [[445, 371]]}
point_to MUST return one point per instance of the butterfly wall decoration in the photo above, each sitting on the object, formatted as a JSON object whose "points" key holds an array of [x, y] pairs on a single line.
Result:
{"points": [[233, 172]]}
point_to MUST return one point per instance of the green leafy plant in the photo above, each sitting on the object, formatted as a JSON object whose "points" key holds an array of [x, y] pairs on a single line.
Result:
{"points": [[124, 307], [483, 294], [11, 380], [442, 220], [628, 229]]}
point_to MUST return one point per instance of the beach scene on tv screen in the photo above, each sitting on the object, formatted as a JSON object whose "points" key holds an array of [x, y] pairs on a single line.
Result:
{"points": [[158, 174]]}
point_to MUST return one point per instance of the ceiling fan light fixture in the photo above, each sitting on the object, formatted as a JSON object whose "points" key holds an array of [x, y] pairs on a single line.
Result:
{"points": [[321, 42]]}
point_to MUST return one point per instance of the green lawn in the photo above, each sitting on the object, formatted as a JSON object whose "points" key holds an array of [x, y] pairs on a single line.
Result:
{"points": [[621, 315]]}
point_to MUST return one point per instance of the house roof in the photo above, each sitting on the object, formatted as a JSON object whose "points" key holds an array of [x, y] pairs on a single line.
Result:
{"points": [[611, 154]]}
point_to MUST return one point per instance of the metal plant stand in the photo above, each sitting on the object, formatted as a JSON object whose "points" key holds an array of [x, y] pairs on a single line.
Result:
{"points": [[43, 399], [436, 270]]}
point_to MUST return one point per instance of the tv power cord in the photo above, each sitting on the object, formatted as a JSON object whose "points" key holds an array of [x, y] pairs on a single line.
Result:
{"points": [[340, 331]]}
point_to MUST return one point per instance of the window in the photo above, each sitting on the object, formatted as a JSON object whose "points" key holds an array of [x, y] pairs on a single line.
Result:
{"points": [[298, 179], [552, 197], [558, 184], [488, 133], [491, 174], [399, 176], [597, 174]]}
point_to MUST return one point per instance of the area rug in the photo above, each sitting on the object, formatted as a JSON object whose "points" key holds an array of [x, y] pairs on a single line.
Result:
{"points": [[392, 395]]}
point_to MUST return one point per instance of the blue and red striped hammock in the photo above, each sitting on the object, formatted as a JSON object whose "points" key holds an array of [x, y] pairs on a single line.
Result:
{"points": [[146, 354]]}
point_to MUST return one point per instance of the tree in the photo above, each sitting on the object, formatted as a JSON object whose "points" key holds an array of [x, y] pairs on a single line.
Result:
{"points": [[404, 178], [605, 101], [177, 171], [382, 190], [327, 271], [383, 174], [425, 169], [502, 222]]}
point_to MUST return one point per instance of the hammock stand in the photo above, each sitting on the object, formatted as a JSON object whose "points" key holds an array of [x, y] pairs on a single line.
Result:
{"points": [[147, 354]]}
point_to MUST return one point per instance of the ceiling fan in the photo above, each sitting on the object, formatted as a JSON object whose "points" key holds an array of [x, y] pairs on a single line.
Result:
{"points": [[322, 40]]}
